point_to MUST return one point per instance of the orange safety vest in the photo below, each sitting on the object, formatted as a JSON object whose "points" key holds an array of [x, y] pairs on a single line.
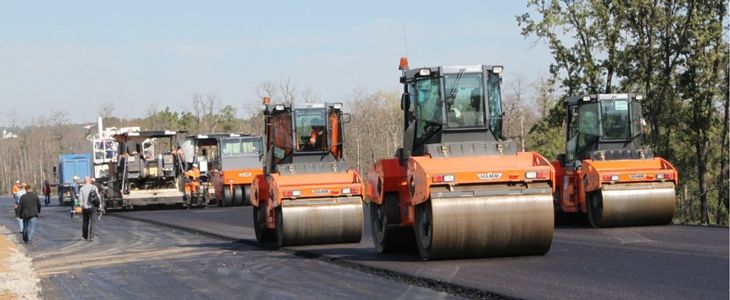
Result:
{"points": [[16, 188], [194, 173]]}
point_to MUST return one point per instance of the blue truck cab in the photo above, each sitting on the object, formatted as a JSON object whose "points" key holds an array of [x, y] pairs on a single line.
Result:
{"points": [[70, 166]]}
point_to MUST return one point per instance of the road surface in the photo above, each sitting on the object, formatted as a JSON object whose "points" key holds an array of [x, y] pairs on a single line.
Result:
{"points": [[137, 260], [655, 262]]}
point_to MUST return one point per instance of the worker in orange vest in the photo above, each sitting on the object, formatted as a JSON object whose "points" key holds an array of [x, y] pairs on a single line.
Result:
{"points": [[193, 180], [16, 187]]}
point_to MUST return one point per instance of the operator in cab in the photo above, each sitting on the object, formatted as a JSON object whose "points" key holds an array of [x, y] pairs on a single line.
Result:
{"points": [[316, 137]]}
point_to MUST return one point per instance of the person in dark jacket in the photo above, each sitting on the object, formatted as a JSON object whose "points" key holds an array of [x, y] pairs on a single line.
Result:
{"points": [[46, 192], [29, 207]]}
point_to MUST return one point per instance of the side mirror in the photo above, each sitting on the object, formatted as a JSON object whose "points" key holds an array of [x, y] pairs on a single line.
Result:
{"points": [[561, 159], [346, 118], [55, 172], [404, 101]]}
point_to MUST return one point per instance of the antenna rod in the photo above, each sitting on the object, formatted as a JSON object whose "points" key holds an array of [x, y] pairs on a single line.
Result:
{"points": [[405, 39]]}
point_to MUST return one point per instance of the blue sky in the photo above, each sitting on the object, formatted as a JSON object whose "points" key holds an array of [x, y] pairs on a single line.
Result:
{"points": [[74, 55]]}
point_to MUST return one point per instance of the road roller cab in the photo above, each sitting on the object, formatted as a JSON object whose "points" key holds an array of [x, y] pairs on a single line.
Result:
{"points": [[307, 194], [456, 189], [605, 171]]}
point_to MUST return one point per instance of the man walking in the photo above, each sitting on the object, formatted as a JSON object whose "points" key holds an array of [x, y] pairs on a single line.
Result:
{"points": [[19, 193], [29, 208], [47, 192], [87, 196]]}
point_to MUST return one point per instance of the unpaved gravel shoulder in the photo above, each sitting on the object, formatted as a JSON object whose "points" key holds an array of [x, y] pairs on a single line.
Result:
{"points": [[17, 277]]}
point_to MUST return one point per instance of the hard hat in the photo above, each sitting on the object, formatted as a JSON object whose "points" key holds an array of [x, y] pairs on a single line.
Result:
{"points": [[93, 179], [195, 165], [17, 182], [76, 178]]}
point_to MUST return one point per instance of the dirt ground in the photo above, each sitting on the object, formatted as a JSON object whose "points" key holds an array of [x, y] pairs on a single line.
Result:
{"points": [[17, 277]]}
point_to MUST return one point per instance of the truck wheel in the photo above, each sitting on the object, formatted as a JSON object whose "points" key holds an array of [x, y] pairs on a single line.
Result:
{"points": [[423, 229], [388, 239], [246, 195], [237, 196], [279, 228], [227, 196], [263, 234], [595, 208]]}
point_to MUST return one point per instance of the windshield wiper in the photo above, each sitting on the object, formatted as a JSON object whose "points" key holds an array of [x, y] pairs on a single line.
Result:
{"points": [[631, 140], [595, 141], [456, 83]]}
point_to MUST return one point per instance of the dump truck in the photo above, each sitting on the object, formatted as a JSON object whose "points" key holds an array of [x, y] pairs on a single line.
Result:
{"points": [[606, 172], [307, 194], [228, 161], [146, 171], [456, 188], [71, 171]]}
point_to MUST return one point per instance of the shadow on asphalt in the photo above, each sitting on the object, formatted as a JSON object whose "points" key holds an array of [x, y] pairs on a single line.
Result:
{"points": [[247, 245], [574, 220]]}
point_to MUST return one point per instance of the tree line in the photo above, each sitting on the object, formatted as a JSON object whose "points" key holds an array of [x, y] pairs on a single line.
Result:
{"points": [[675, 52]]}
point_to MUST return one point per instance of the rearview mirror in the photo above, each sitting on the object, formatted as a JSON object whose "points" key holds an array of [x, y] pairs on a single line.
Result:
{"points": [[346, 118]]}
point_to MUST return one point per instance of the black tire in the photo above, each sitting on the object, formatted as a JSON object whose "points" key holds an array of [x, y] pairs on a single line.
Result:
{"points": [[227, 196], [280, 239], [237, 196], [423, 229], [246, 195], [594, 208], [383, 221], [263, 234]]}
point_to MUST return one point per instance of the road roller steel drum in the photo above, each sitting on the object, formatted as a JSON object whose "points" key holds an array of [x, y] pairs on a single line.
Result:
{"points": [[485, 226], [630, 204], [320, 221]]}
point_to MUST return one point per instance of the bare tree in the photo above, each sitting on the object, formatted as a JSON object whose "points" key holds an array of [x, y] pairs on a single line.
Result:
{"points": [[310, 96], [106, 109], [544, 89], [285, 91], [266, 88], [288, 91], [514, 109]]}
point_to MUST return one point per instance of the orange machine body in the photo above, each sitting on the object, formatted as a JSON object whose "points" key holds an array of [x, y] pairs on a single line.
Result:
{"points": [[229, 179], [415, 182], [573, 184], [274, 189]]}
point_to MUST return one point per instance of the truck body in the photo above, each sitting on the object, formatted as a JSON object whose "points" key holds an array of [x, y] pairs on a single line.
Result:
{"points": [[72, 166]]}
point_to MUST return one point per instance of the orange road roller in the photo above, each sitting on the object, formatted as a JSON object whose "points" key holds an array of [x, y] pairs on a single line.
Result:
{"points": [[606, 172], [457, 189], [306, 194]]}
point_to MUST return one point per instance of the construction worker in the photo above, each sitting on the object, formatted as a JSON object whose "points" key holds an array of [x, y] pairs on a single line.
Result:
{"points": [[193, 180], [16, 187], [18, 194]]}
